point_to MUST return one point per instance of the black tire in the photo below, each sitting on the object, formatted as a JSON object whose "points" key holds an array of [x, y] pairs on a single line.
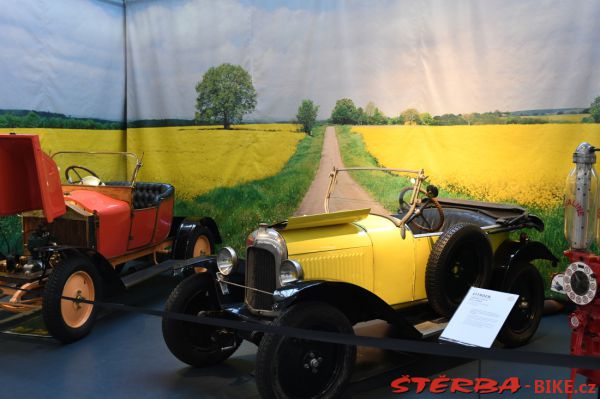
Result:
{"points": [[186, 246], [460, 258], [196, 344], [524, 280], [66, 320], [281, 362]]}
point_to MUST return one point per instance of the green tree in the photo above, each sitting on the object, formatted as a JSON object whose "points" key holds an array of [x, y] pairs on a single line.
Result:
{"points": [[595, 109], [361, 118], [370, 112], [587, 119], [426, 118], [344, 112], [31, 120], [379, 117], [225, 94], [12, 120], [410, 116], [307, 115], [398, 120]]}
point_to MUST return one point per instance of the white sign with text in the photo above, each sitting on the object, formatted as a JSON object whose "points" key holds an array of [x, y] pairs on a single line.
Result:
{"points": [[478, 319]]}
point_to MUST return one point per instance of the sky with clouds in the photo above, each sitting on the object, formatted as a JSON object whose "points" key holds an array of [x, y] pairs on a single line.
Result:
{"points": [[438, 56], [435, 55], [64, 56]]}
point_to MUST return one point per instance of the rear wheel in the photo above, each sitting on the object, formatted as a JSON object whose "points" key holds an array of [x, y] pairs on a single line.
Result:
{"points": [[196, 344], [68, 320], [460, 259], [298, 368], [524, 280], [203, 245], [197, 241]]}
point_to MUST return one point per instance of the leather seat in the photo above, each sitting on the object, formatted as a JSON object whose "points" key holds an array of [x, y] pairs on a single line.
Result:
{"points": [[147, 195]]}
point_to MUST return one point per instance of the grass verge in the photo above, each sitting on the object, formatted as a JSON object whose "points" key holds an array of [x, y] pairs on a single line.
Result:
{"points": [[238, 210], [354, 153]]}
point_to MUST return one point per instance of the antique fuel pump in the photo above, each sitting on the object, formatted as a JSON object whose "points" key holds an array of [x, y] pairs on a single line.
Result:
{"points": [[580, 280]]}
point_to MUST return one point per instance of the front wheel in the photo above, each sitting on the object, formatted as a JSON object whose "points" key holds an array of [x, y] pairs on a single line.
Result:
{"points": [[66, 320], [297, 368], [196, 344], [524, 280]]}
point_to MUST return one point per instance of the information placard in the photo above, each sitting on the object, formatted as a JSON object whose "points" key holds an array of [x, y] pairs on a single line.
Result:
{"points": [[478, 319]]}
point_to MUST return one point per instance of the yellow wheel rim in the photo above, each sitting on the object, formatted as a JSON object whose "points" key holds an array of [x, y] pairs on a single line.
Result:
{"points": [[79, 285], [201, 247]]}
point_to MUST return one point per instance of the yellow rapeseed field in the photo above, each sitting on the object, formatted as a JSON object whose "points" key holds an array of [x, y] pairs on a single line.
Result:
{"points": [[527, 164], [55, 140], [195, 159], [199, 159]]}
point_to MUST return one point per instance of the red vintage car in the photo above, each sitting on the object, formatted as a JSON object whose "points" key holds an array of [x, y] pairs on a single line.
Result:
{"points": [[81, 234]]}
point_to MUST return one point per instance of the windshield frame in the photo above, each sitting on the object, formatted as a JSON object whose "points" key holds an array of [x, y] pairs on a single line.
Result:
{"points": [[419, 177], [136, 169]]}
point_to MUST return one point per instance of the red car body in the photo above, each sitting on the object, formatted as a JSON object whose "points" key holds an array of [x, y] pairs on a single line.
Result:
{"points": [[79, 236], [121, 228]]}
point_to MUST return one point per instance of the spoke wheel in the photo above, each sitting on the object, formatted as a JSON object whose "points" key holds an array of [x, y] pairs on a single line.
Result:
{"points": [[299, 368]]}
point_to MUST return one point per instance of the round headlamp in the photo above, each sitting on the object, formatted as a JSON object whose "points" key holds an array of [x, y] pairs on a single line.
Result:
{"points": [[580, 283], [226, 260], [290, 272]]}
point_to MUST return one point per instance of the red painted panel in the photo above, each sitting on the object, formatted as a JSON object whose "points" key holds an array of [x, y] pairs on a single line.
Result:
{"points": [[165, 218], [29, 179], [114, 216], [142, 227]]}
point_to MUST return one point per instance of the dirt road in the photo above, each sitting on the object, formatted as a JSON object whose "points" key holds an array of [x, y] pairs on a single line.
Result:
{"points": [[347, 195]]}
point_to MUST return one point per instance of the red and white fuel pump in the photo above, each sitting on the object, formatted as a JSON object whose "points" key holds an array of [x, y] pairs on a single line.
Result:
{"points": [[579, 281]]}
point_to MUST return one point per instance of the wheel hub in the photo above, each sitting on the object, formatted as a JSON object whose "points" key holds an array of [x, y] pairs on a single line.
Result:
{"points": [[78, 299], [524, 304], [312, 361]]}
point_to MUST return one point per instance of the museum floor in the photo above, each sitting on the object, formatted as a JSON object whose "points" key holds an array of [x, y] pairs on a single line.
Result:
{"points": [[125, 357]]}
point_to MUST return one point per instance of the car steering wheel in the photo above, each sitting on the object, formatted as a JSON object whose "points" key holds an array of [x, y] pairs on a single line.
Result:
{"points": [[74, 169], [426, 200]]}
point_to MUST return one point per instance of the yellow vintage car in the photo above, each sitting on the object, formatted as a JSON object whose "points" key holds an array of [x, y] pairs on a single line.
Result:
{"points": [[330, 271]]}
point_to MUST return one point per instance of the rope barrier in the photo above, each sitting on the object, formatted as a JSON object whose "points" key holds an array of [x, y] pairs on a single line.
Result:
{"points": [[394, 344]]}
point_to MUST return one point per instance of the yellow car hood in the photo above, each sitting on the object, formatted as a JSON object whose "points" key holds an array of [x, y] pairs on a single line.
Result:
{"points": [[326, 232]]}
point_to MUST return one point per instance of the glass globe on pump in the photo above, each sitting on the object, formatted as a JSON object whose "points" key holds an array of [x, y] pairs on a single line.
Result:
{"points": [[581, 199]]}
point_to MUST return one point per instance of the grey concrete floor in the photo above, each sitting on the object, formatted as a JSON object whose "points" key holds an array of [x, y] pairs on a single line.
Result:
{"points": [[125, 357]]}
